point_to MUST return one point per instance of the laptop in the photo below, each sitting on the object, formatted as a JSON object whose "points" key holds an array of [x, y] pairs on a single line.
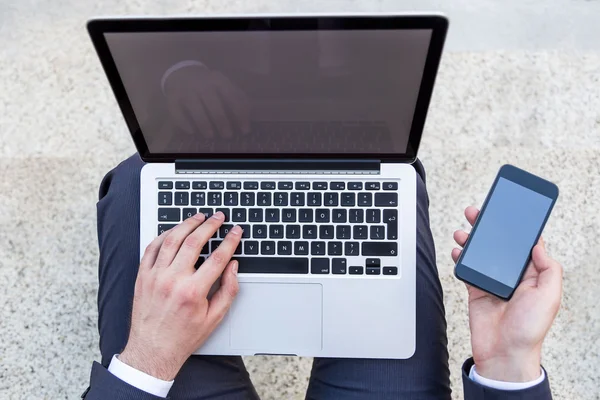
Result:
{"points": [[302, 129]]}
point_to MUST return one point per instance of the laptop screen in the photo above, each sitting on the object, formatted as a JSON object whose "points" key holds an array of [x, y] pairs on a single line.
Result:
{"points": [[325, 91]]}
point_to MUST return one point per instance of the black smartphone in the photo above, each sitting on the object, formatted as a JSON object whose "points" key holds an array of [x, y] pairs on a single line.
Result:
{"points": [[509, 225]]}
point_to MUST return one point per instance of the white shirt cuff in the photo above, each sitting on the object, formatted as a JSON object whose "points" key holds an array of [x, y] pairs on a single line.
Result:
{"points": [[501, 385], [176, 67], [139, 379]]}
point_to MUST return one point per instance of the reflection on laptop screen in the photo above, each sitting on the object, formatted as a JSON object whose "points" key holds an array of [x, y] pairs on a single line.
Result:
{"points": [[325, 91]]}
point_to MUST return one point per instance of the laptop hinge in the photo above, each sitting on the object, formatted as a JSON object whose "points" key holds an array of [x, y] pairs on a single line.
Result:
{"points": [[277, 166]]}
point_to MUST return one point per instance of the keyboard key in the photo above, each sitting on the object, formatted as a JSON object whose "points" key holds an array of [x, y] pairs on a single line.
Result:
{"points": [[305, 215], [309, 232], [360, 232], [224, 230], [342, 232], [356, 216], [234, 185], [214, 199], [372, 262], [199, 262], [251, 185], [322, 215], [164, 227], [390, 185], [377, 232], [276, 231], [382, 249], [226, 212], [334, 248], [356, 270], [339, 216], [326, 232], [263, 199], [189, 212], [373, 216], [313, 199], [238, 249], [216, 185], [199, 185], [182, 198], [390, 270], [205, 249], [338, 266], [280, 199], [348, 199], [238, 215], [373, 271], [272, 215], [165, 198], [165, 185], [372, 185], [255, 215], [317, 248], [214, 244], [247, 199], [351, 248], [250, 247], [182, 185], [198, 198], [301, 248], [302, 185], [319, 266], [231, 199], [208, 212], [267, 185], [390, 218], [386, 199], [288, 215], [267, 248], [292, 231], [284, 248], [297, 199], [259, 231], [319, 185], [365, 199], [246, 231], [337, 186], [169, 214], [285, 186], [355, 185], [331, 199], [273, 265]]}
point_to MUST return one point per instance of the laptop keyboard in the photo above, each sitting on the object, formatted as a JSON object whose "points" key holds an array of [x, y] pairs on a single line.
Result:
{"points": [[302, 227]]}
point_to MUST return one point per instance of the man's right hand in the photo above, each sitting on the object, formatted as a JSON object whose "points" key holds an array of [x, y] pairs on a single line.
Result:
{"points": [[507, 336], [172, 316]]}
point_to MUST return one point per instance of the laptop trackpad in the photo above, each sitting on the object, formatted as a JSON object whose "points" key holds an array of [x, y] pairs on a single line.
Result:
{"points": [[277, 318]]}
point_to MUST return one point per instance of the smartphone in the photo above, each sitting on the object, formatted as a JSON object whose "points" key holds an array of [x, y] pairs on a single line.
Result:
{"points": [[509, 225]]}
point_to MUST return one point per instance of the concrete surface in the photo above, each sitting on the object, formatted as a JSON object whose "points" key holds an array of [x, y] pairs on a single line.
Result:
{"points": [[520, 84]]}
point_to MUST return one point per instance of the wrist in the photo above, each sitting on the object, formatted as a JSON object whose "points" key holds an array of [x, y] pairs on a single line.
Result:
{"points": [[522, 367], [150, 363]]}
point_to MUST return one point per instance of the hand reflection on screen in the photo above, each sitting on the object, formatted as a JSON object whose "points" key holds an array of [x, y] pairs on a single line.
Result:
{"points": [[205, 102]]}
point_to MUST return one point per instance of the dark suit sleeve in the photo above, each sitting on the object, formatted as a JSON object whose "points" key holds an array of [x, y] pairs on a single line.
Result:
{"points": [[104, 385], [475, 391]]}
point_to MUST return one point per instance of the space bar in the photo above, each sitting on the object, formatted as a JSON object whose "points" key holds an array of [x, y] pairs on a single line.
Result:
{"points": [[272, 265]]}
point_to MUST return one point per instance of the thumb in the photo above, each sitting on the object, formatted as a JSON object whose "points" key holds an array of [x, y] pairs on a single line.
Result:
{"points": [[223, 297], [549, 271]]}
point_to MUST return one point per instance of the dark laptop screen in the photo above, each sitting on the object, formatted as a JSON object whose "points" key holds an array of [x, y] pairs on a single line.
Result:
{"points": [[257, 92]]}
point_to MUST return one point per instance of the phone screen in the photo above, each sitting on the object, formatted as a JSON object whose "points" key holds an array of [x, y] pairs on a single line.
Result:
{"points": [[506, 232]]}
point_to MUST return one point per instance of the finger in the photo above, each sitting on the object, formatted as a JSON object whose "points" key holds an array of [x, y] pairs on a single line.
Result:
{"points": [[174, 239], [151, 252], [221, 301], [461, 237], [214, 265], [215, 110], [236, 99], [456, 254], [550, 271], [471, 213], [193, 244]]}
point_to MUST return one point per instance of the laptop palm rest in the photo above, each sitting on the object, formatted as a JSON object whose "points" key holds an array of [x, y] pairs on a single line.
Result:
{"points": [[277, 318]]}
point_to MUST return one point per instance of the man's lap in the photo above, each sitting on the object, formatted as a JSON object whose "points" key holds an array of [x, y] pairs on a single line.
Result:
{"points": [[425, 375]]}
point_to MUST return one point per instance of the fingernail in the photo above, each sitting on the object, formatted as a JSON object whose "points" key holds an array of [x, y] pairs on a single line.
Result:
{"points": [[218, 215], [199, 216], [236, 230], [234, 268]]}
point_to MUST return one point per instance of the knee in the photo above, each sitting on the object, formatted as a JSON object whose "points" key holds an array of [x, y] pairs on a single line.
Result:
{"points": [[127, 173]]}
